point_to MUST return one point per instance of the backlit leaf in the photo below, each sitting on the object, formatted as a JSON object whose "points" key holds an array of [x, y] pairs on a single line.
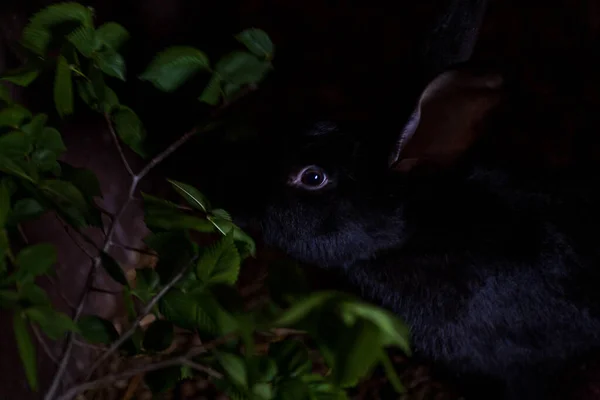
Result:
{"points": [[63, 88], [175, 65], [191, 195]]}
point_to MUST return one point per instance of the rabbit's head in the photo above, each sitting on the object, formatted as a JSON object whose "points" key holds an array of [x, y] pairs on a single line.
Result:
{"points": [[337, 197]]}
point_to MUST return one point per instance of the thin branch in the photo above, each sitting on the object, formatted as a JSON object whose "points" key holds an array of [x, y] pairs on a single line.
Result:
{"points": [[125, 336], [169, 362], [134, 249], [105, 291], [118, 144], [198, 367], [47, 350]]}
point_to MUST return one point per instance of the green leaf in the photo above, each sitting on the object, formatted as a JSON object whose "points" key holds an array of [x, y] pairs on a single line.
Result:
{"points": [[111, 35], [291, 357], [18, 168], [44, 160], [63, 88], [54, 324], [242, 68], [171, 219], [262, 369], [257, 41], [8, 298], [356, 355], [263, 391], [212, 92], [84, 40], [130, 129], [34, 127], [159, 336], [64, 193], [391, 373], [234, 367], [36, 259], [62, 12], [219, 263], [231, 89], [84, 179], [4, 203], [292, 389], [14, 116], [5, 95], [225, 225], [21, 77], [175, 65], [113, 269], [15, 145], [51, 139], [26, 210], [146, 284], [97, 330], [111, 101], [394, 332], [179, 308], [191, 195], [26, 350], [32, 294], [302, 308], [111, 63]]}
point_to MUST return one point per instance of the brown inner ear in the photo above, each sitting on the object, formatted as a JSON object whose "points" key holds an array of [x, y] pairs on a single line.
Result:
{"points": [[445, 122]]}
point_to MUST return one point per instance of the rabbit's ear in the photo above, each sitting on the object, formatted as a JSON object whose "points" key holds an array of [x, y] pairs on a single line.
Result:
{"points": [[443, 124]]}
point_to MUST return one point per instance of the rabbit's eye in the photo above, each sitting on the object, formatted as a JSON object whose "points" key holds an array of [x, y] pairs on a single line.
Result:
{"points": [[310, 178]]}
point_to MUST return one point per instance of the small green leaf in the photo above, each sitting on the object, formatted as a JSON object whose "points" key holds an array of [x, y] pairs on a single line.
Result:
{"points": [[171, 220], [54, 324], [14, 116], [219, 263], [15, 144], [63, 88], [356, 355], [113, 269], [21, 77], [32, 294], [263, 391], [5, 95], [84, 179], [97, 330], [111, 101], [36, 259], [130, 129], [25, 210], [291, 357], [84, 40], [18, 168], [191, 195], [111, 35], [44, 160], [8, 298], [111, 63], [257, 41], [26, 350], [212, 92], [159, 336], [292, 389], [64, 193], [34, 128], [51, 139], [394, 332], [4, 203], [146, 284], [175, 65], [242, 68], [304, 307], [234, 367], [225, 225]]}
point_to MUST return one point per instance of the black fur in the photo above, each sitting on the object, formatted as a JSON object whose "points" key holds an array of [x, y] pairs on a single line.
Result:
{"points": [[496, 274]]}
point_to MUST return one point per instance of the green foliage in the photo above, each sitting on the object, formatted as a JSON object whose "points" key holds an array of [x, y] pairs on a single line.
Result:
{"points": [[350, 335]]}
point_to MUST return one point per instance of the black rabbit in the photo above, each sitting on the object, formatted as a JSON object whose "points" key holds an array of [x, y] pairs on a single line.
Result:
{"points": [[495, 272]]}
